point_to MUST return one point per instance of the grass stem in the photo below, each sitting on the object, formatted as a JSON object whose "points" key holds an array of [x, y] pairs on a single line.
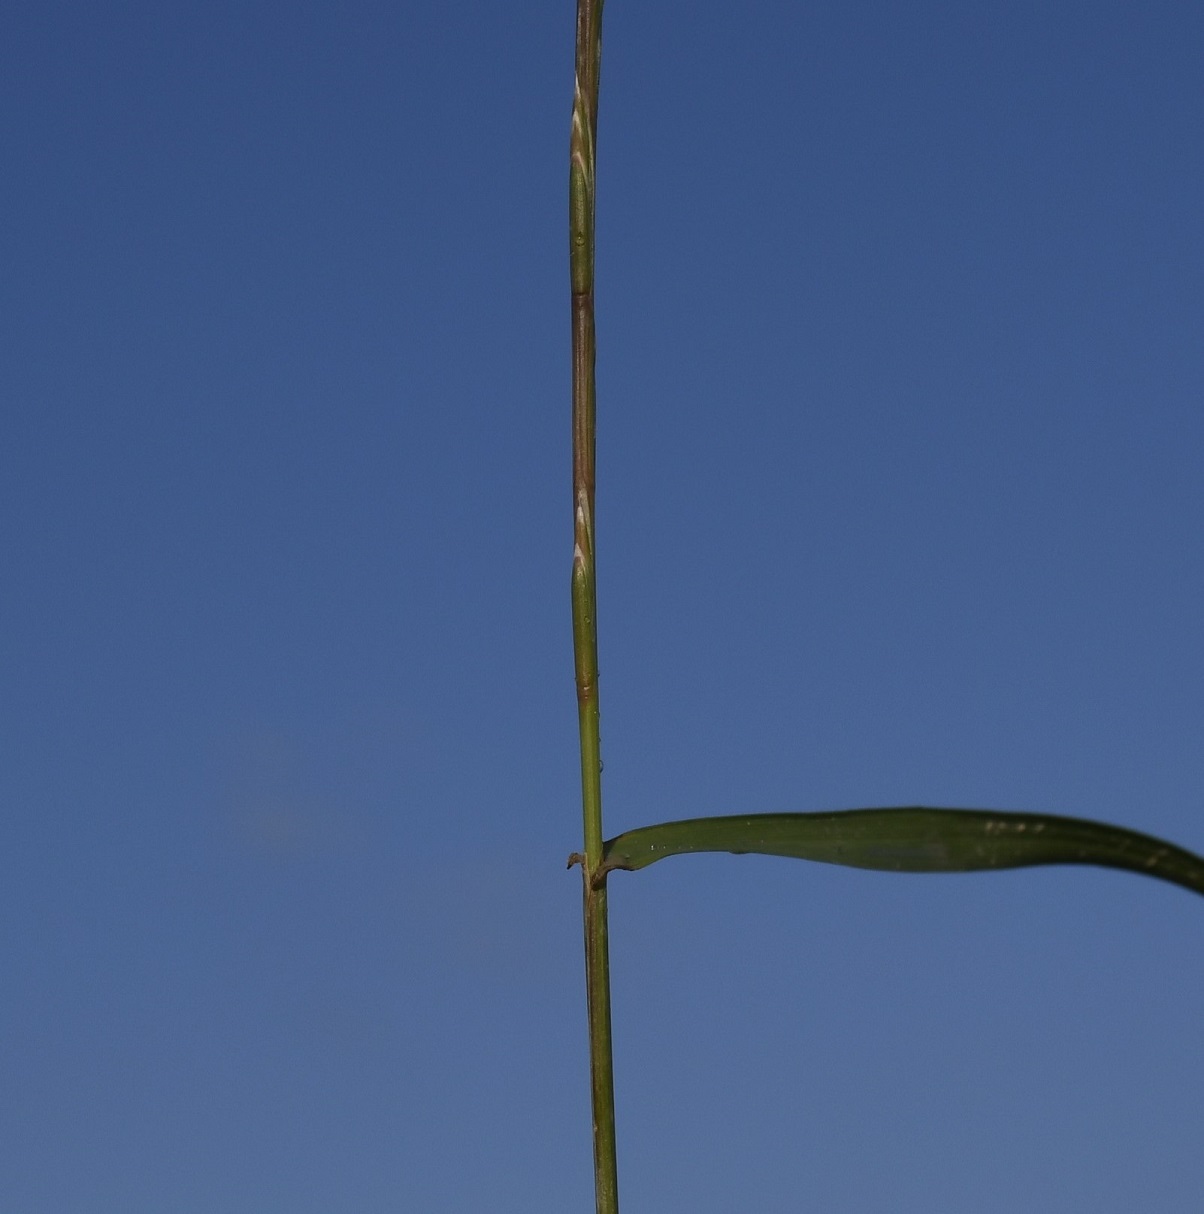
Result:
{"points": [[585, 629]]}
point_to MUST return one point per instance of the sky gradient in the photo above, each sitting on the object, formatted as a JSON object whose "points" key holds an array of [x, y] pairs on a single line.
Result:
{"points": [[900, 489]]}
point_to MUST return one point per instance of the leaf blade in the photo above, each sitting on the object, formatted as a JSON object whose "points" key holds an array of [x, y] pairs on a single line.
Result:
{"points": [[913, 839]]}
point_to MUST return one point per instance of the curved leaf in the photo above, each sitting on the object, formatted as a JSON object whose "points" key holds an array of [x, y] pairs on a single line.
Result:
{"points": [[913, 840]]}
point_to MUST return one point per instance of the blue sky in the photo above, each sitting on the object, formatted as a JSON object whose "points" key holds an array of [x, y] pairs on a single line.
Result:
{"points": [[900, 486]]}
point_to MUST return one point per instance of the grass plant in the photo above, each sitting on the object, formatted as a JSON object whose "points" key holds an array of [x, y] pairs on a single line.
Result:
{"points": [[906, 839]]}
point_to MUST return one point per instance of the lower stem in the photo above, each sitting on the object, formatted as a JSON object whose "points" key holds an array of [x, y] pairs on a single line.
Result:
{"points": [[597, 956], [601, 1058]]}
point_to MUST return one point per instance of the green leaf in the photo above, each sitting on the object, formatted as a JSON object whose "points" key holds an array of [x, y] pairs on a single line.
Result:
{"points": [[913, 840]]}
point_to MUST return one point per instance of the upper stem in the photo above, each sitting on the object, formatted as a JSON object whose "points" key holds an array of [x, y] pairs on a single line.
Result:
{"points": [[581, 270]]}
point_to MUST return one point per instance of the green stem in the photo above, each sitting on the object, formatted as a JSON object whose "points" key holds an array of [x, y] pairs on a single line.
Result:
{"points": [[585, 614]]}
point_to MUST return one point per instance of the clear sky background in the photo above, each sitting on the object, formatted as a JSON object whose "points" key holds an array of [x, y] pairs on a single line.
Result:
{"points": [[901, 485]]}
